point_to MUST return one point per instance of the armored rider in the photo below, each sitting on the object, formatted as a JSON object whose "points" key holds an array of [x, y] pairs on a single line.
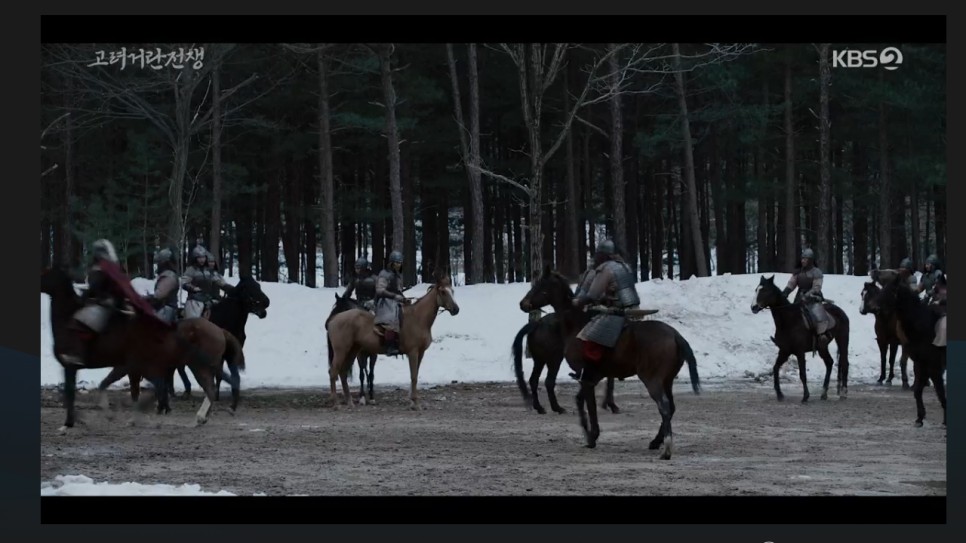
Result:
{"points": [[214, 290], [808, 280], [363, 284], [611, 285], [938, 304], [199, 281], [389, 297], [928, 280], [906, 275], [109, 291], [164, 299]]}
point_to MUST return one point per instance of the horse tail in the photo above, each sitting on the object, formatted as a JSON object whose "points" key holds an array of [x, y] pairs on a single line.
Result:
{"points": [[687, 355], [518, 359], [233, 350]]}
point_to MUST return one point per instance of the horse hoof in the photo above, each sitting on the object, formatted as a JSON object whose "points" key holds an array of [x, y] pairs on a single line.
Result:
{"points": [[231, 411], [918, 424], [825, 395], [200, 421], [666, 455], [781, 398], [541, 411], [62, 430], [654, 445], [879, 382], [591, 444], [362, 400], [560, 410], [805, 399], [613, 408]]}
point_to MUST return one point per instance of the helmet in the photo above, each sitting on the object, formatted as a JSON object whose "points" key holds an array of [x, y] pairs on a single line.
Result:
{"points": [[362, 263], [164, 255], [934, 260], [395, 257], [104, 250], [199, 252], [906, 264], [606, 247], [808, 253], [211, 257]]}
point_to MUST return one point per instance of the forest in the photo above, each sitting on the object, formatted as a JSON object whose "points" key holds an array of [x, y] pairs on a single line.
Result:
{"points": [[289, 161]]}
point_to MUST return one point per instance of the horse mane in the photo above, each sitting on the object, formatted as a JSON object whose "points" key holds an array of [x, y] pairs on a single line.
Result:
{"points": [[563, 280]]}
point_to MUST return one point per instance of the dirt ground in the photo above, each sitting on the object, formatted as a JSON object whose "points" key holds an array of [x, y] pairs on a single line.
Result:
{"points": [[733, 439]]}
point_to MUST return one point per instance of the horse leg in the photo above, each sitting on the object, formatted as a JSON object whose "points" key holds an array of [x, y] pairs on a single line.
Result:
{"points": [[135, 380], [883, 349], [372, 374], [661, 394], [550, 383], [219, 377], [206, 378], [919, 374], [802, 376], [609, 398], [827, 358], [235, 381], [184, 381], [782, 358], [535, 384], [362, 378], [344, 377], [588, 384], [936, 374], [114, 376], [903, 367], [70, 394], [414, 360], [893, 349]]}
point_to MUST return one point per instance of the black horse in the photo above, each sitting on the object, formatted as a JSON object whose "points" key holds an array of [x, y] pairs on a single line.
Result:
{"points": [[545, 339], [652, 350], [345, 304], [919, 326], [886, 336], [231, 313], [794, 337]]}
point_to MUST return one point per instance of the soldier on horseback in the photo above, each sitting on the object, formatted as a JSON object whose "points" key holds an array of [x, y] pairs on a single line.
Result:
{"points": [[214, 290], [200, 281], [808, 280], [109, 291], [906, 275], [389, 296], [165, 297], [363, 284], [927, 282], [611, 284]]}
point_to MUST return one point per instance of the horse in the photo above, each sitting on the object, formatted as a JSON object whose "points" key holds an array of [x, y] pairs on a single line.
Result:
{"points": [[918, 323], [230, 314], [135, 343], [545, 339], [344, 304], [353, 332], [652, 350], [794, 337], [886, 336]]}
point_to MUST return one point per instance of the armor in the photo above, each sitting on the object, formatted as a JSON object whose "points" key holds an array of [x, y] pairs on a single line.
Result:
{"points": [[200, 283], [809, 283], [613, 286], [364, 286], [388, 295], [928, 282]]}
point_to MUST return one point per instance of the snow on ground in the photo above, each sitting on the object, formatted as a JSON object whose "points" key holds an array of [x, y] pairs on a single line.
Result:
{"points": [[79, 485], [288, 348]]}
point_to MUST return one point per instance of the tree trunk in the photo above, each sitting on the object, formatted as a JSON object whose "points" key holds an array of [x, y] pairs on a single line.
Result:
{"points": [[791, 211], [764, 194], [272, 227], [66, 249], [392, 134], [917, 256], [290, 234], [691, 212], [310, 238], [824, 217], [498, 230], [719, 205], [587, 238], [860, 212], [330, 259], [215, 237], [618, 190], [572, 233], [409, 221], [939, 193], [885, 192]]}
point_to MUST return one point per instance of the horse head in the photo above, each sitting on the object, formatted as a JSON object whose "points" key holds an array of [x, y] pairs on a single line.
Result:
{"points": [[870, 291], [253, 299], [57, 280], [549, 288], [444, 293], [767, 295], [885, 299]]}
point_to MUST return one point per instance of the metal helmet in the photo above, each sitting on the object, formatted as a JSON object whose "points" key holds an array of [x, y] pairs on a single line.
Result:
{"points": [[211, 257], [104, 250], [933, 260], [395, 257], [199, 252], [809, 254], [606, 247], [906, 264], [163, 256], [362, 263]]}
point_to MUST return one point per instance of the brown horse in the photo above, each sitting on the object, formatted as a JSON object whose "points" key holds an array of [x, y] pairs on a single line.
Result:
{"points": [[353, 332], [652, 350], [887, 336], [133, 343]]}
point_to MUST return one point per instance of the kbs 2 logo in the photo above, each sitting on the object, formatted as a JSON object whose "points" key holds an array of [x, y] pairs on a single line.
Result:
{"points": [[889, 58]]}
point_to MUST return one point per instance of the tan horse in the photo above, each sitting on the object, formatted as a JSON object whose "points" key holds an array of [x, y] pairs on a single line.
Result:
{"points": [[353, 332]]}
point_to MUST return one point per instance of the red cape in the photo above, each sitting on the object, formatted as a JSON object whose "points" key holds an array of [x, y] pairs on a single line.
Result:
{"points": [[123, 286]]}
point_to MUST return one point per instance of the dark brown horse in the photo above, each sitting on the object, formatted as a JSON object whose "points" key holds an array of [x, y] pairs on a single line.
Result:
{"points": [[918, 324], [545, 340], [886, 336], [652, 350], [352, 332], [794, 337], [132, 343], [345, 304]]}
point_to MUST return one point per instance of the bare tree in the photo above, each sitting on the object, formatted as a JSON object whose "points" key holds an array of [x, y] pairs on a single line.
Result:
{"points": [[791, 212], [471, 155], [825, 185]]}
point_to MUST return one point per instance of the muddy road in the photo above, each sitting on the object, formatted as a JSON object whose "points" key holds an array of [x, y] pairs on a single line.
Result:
{"points": [[733, 439]]}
